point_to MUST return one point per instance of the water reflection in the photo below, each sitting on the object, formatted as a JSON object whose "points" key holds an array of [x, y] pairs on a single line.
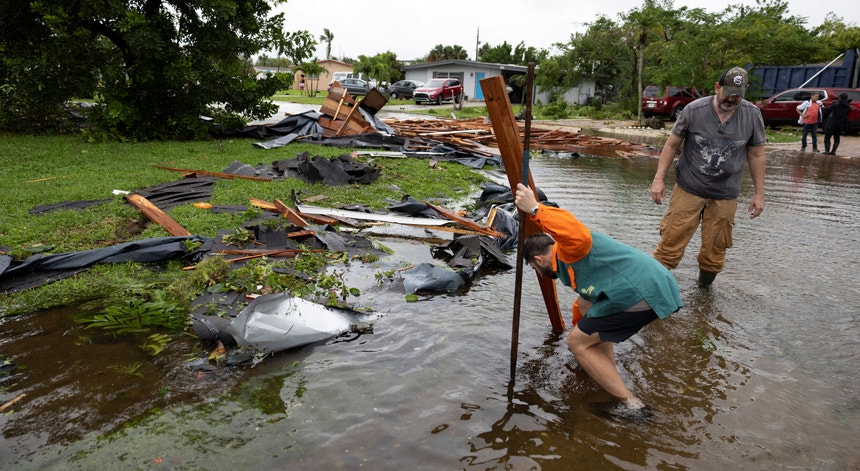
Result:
{"points": [[757, 372]]}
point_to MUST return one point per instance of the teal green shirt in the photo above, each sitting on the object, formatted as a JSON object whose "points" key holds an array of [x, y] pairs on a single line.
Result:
{"points": [[614, 276]]}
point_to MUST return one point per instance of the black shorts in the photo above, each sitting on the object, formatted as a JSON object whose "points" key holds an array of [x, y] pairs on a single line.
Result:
{"points": [[617, 327]]}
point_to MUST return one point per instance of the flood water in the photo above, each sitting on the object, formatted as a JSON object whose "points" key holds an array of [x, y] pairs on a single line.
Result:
{"points": [[758, 372]]}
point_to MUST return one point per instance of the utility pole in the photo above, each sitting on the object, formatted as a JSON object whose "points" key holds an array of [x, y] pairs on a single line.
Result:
{"points": [[477, 43]]}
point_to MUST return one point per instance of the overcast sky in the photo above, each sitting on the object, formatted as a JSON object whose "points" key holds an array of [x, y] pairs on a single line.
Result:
{"points": [[411, 28]]}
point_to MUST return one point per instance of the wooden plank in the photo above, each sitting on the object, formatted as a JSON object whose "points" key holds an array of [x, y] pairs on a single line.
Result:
{"points": [[157, 216], [213, 174], [263, 204], [339, 105], [346, 121], [374, 100], [290, 214], [319, 219], [510, 145], [465, 222]]}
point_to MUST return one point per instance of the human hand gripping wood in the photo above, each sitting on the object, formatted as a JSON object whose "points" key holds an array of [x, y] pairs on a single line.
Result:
{"points": [[525, 199]]}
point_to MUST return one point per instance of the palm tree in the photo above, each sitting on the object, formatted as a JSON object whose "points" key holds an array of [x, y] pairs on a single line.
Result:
{"points": [[327, 37], [312, 70]]}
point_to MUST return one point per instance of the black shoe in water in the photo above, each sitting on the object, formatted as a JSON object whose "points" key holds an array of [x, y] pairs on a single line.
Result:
{"points": [[706, 278]]}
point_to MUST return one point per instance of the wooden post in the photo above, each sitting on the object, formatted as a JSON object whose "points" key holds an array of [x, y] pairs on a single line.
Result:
{"points": [[157, 216], [508, 138]]}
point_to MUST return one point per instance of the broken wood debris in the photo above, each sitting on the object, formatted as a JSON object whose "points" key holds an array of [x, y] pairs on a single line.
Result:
{"points": [[230, 176], [300, 217], [339, 102], [157, 216], [249, 254], [481, 229], [477, 136], [291, 214]]}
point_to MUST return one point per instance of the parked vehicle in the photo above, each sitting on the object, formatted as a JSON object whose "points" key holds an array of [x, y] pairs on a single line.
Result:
{"points": [[404, 89], [782, 107], [354, 86], [340, 76], [439, 90], [668, 101]]}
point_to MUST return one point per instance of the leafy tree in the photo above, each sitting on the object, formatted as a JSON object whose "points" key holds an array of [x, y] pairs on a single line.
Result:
{"points": [[298, 46], [600, 53], [154, 67], [327, 37], [382, 67], [657, 43], [836, 36], [507, 54], [501, 54], [764, 34], [40, 69], [442, 53], [653, 22]]}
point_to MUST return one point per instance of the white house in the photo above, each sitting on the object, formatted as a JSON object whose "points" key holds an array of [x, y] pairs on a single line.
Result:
{"points": [[471, 73]]}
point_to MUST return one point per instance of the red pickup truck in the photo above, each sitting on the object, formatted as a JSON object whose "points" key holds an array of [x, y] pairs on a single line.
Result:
{"points": [[667, 101], [439, 90]]}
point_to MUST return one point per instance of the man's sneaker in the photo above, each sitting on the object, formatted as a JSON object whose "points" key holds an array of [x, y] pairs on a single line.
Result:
{"points": [[621, 412], [706, 278]]}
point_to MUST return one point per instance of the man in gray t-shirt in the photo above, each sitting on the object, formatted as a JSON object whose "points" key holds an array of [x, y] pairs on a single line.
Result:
{"points": [[719, 133]]}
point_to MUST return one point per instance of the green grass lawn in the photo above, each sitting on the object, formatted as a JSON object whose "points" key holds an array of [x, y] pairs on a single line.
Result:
{"points": [[41, 170]]}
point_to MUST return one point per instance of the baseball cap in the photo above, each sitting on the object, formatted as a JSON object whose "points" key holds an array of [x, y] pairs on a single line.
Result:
{"points": [[735, 81]]}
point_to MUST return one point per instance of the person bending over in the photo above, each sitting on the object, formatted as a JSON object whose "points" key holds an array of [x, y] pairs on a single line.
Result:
{"points": [[621, 289]]}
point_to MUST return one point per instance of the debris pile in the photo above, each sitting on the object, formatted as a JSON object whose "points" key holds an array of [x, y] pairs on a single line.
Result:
{"points": [[476, 135], [346, 122]]}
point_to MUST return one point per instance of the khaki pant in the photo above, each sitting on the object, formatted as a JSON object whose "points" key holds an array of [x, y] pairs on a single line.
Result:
{"points": [[686, 211]]}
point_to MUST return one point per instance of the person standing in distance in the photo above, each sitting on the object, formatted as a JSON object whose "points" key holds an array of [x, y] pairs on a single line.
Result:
{"points": [[719, 134], [810, 116], [835, 122]]}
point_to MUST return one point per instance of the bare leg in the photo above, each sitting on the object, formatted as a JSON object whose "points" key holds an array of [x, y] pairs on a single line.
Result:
{"points": [[598, 360]]}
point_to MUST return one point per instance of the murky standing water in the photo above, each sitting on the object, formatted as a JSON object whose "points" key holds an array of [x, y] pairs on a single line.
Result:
{"points": [[757, 372]]}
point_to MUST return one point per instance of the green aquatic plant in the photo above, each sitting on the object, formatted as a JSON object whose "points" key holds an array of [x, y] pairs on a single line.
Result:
{"points": [[138, 316]]}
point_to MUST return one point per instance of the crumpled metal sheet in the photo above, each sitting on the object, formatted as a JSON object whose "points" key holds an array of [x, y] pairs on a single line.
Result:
{"points": [[280, 321]]}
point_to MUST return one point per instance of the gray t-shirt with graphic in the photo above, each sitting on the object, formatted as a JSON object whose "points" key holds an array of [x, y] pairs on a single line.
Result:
{"points": [[713, 156]]}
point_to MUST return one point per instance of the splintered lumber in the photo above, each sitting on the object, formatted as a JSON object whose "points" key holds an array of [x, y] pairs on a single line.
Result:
{"points": [[346, 121], [332, 109], [157, 216], [9, 403], [251, 254], [318, 219], [339, 105], [213, 174], [290, 214], [263, 204], [478, 135], [465, 222], [511, 148]]}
